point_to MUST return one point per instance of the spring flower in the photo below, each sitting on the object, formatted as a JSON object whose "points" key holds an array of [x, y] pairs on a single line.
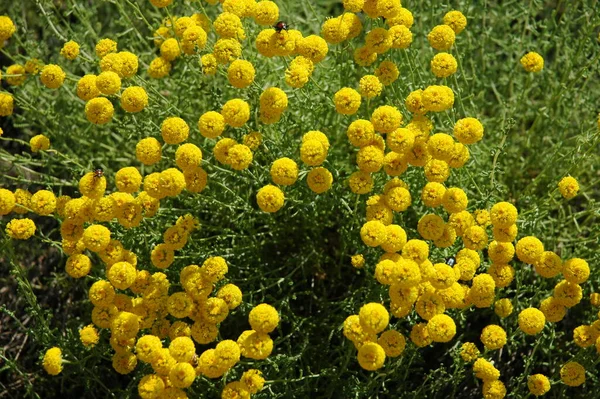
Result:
{"points": [[52, 76], [89, 336], [493, 337], [39, 143], [312, 152], [482, 289], [148, 151], [134, 99], [469, 352], [159, 68], [494, 389], [567, 294], [374, 318], [443, 65], [86, 88], [20, 229], [284, 171], [438, 98], [19, 73], [378, 40], [53, 361], [313, 47], [7, 28], [265, 13], [7, 201], [96, 237], [401, 36], [240, 74], [236, 112], [226, 51], [319, 180], [70, 50], [485, 370], [529, 249], [255, 345], [122, 275], [455, 20], [263, 318], [441, 328], [531, 321], [43, 202], [572, 374], [174, 130], [239, 157], [229, 25], [386, 119], [568, 187], [334, 30], [78, 265], [99, 110], [419, 335], [441, 37], [370, 86], [347, 101], [151, 385], [371, 356], [6, 104], [365, 56], [532, 62], [270, 198], [235, 389], [538, 384], [108, 82], [576, 271], [387, 72]]}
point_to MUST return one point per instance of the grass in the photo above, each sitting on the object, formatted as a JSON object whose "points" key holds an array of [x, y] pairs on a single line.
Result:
{"points": [[539, 128]]}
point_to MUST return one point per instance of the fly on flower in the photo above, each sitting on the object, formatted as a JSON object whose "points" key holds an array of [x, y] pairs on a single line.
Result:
{"points": [[451, 261], [281, 25], [98, 173]]}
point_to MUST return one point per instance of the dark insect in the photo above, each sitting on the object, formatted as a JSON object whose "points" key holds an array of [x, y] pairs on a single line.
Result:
{"points": [[451, 261], [195, 361], [98, 173], [279, 26]]}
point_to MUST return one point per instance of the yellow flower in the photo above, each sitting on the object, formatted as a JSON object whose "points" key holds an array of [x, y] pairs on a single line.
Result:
{"points": [[239, 157], [454, 200], [182, 349], [529, 249], [265, 13], [270, 198], [227, 50], [347, 101], [174, 130], [151, 386], [43, 202], [378, 40], [89, 336], [468, 130], [231, 294], [241, 73], [252, 378], [441, 328], [531, 321], [455, 20], [373, 317], [121, 275], [387, 72], [6, 104], [92, 186], [20, 229], [52, 76], [493, 337], [86, 88], [334, 30], [572, 374], [365, 56], [371, 356], [170, 50], [39, 143], [96, 237], [312, 47], [229, 25], [494, 389], [7, 28], [319, 180], [401, 36], [485, 370], [443, 65], [235, 389], [567, 294], [284, 171], [538, 384], [576, 270], [360, 182], [370, 86], [312, 152], [99, 110], [7, 201], [148, 151], [70, 50], [78, 265], [532, 62], [159, 68], [53, 361], [419, 335], [105, 46], [263, 318], [438, 98], [386, 119], [441, 37], [236, 112], [19, 73], [134, 99], [568, 187], [469, 352]]}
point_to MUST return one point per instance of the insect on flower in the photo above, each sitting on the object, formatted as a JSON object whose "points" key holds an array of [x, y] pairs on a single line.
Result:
{"points": [[451, 261], [98, 173], [279, 26]]}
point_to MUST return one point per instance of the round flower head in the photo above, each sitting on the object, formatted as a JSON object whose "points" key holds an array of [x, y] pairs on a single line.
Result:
{"points": [[78, 265], [568, 187], [373, 233], [235, 389], [469, 352], [263, 318], [152, 385], [501, 252], [239, 157], [284, 171], [7, 201], [365, 56], [159, 68], [441, 328], [96, 237], [174, 130], [6, 104], [360, 182], [455, 20], [170, 50], [403, 17], [370, 86], [211, 124], [122, 275], [392, 342], [255, 345], [52, 361], [374, 318], [347, 101], [99, 110], [7, 28], [529, 249], [401, 36], [468, 130], [485, 370], [443, 65], [438, 98], [370, 159], [493, 337], [419, 335], [86, 88], [270, 198], [387, 72], [567, 294], [319, 180], [52, 76], [265, 13], [43, 202], [538, 384], [312, 152], [19, 75], [531, 321], [241, 74], [236, 112], [227, 50], [148, 151], [441, 37], [229, 25], [575, 270], [371, 356], [108, 82], [503, 214], [532, 62], [334, 30], [312, 47], [572, 374], [39, 143], [134, 99], [386, 119]]}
